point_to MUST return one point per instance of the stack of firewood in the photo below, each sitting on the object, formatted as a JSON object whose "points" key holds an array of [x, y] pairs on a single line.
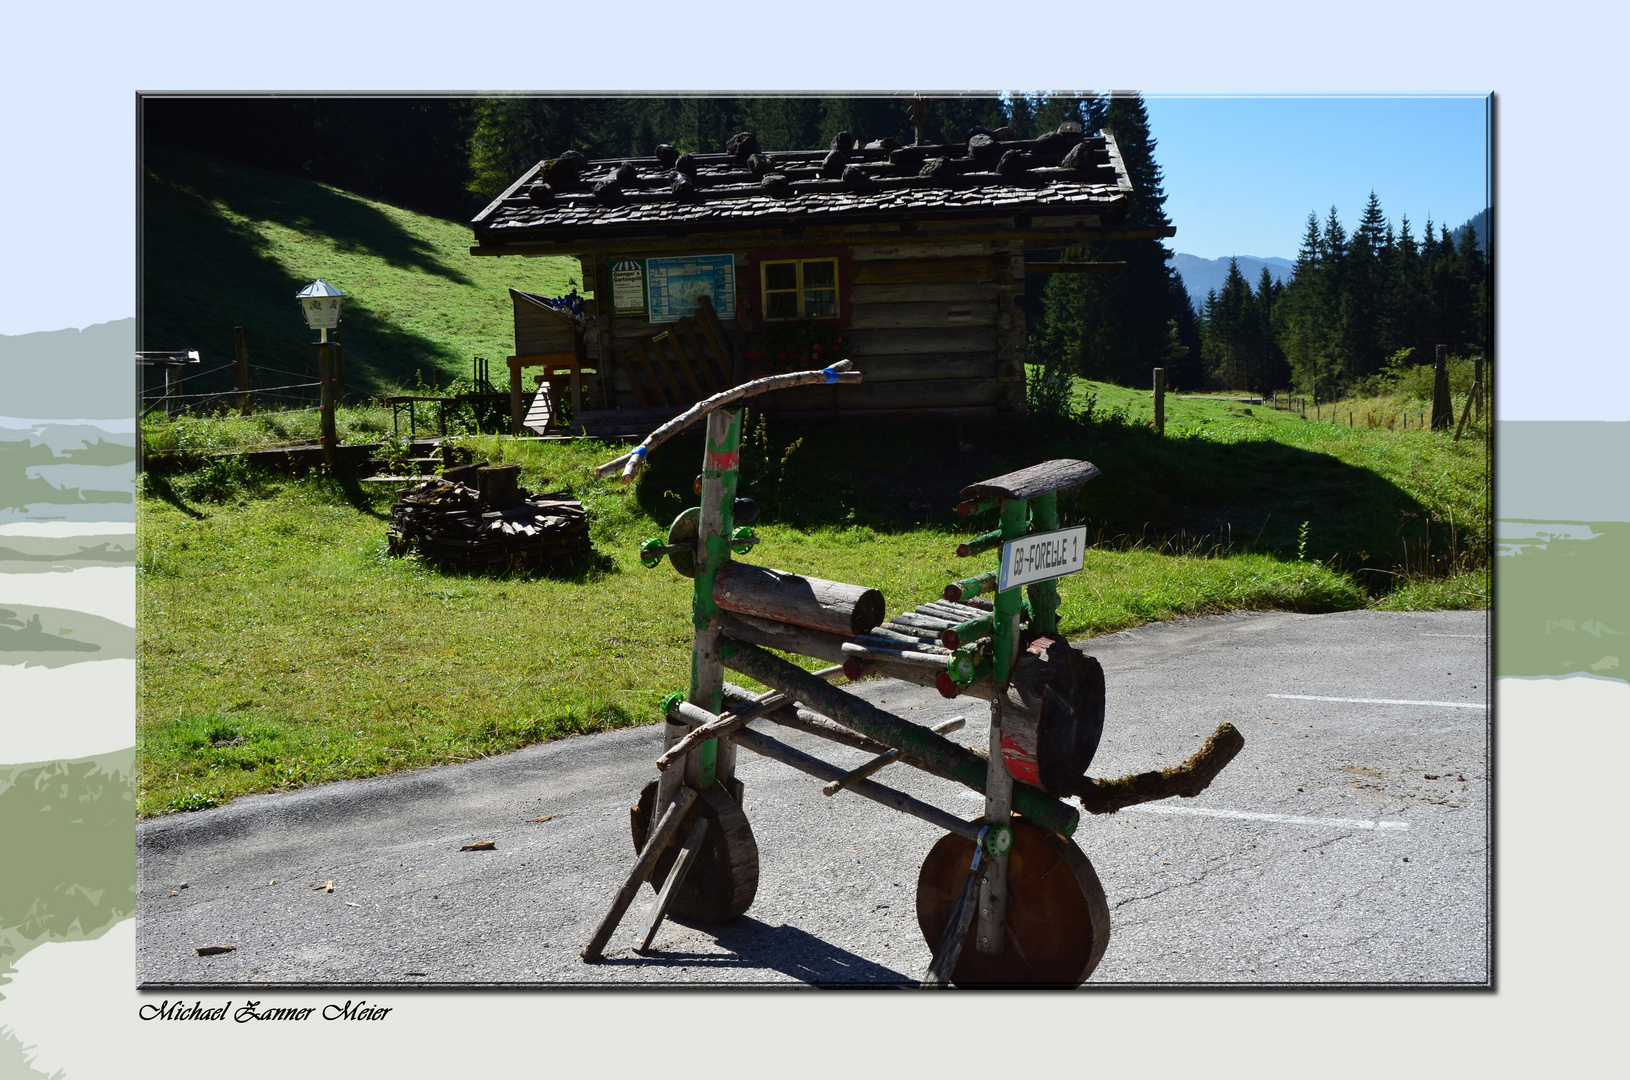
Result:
{"points": [[489, 524]]}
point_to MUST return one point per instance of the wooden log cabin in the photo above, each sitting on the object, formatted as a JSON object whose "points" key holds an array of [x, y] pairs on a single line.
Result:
{"points": [[918, 257]]}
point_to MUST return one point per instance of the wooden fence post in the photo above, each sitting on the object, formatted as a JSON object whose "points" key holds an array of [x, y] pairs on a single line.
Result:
{"points": [[1160, 401], [325, 377], [516, 413], [1443, 410], [241, 349], [1477, 385], [339, 372]]}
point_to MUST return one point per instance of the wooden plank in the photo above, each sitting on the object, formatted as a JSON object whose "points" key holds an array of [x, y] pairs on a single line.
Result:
{"points": [[1048, 476], [633, 383], [876, 764], [926, 293], [928, 315], [918, 394], [676, 877], [776, 750], [1075, 267], [718, 339], [956, 928], [1011, 334], [893, 271], [686, 330], [678, 365], [881, 369], [936, 753], [919, 250], [660, 838], [651, 375], [715, 356], [862, 343]]}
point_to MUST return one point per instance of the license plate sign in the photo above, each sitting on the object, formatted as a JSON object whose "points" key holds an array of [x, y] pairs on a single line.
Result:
{"points": [[1041, 556]]}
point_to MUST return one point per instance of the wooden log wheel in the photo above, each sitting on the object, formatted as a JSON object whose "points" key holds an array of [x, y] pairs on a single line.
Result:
{"points": [[1004, 900], [1057, 925], [722, 880]]}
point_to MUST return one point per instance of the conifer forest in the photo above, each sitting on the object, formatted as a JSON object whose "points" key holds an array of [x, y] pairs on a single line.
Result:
{"points": [[1359, 307]]}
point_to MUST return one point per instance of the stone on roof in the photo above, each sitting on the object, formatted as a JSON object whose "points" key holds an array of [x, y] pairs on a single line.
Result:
{"points": [[1061, 172]]}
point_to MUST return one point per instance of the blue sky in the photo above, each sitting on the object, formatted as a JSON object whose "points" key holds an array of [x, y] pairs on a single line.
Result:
{"points": [[1242, 173]]}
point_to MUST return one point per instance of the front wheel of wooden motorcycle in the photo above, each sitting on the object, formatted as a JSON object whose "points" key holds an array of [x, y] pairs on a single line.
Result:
{"points": [[723, 878], [1057, 916]]}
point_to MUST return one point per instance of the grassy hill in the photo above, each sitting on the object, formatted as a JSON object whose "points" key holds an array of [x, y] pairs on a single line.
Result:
{"points": [[281, 646], [227, 245]]}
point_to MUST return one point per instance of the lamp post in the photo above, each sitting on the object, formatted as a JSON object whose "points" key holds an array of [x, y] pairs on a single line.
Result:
{"points": [[320, 304]]}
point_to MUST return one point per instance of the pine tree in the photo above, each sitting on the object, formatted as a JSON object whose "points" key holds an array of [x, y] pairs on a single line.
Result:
{"points": [[1272, 372], [1362, 295], [1300, 318], [1117, 325]]}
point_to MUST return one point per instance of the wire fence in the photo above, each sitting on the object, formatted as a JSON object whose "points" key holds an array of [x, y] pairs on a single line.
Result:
{"points": [[278, 394]]}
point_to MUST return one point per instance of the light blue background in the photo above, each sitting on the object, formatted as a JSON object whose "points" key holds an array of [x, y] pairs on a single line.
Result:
{"points": [[67, 258]]}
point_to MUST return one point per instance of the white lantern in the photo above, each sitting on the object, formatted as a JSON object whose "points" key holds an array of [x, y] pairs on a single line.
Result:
{"points": [[320, 303]]}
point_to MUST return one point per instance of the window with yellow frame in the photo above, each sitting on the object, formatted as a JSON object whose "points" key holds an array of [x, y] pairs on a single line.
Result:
{"points": [[800, 289]]}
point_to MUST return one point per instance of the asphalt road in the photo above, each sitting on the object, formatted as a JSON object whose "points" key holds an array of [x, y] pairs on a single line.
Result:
{"points": [[1348, 843]]}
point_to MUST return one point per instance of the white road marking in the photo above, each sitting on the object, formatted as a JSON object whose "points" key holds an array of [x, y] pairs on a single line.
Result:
{"points": [[1283, 819], [1383, 701], [1480, 636]]}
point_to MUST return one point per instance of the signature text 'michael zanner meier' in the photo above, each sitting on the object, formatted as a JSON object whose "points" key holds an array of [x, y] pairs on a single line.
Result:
{"points": [[253, 1010]]}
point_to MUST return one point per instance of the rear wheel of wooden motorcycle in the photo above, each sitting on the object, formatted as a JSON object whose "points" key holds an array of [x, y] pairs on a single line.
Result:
{"points": [[723, 878], [1057, 916]]}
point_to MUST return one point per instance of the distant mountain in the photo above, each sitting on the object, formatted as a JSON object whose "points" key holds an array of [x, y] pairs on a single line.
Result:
{"points": [[86, 374], [1480, 222], [1200, 276]]}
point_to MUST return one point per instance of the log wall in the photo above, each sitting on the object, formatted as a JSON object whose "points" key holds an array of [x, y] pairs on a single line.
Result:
{"points": [[936, 325], [538, 331], [932, 326]]}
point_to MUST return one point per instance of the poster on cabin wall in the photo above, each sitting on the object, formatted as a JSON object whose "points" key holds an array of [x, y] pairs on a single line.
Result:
{"points": [[674, 284], [628, 287]]}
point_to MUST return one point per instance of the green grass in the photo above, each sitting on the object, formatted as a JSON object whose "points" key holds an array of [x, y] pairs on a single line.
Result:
{"points": [[273, 621], [205, 434], [228, 245], [280, 646]]}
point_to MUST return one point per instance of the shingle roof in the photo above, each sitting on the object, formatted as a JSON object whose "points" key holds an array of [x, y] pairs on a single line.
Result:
{"points": [[1062, 172]]}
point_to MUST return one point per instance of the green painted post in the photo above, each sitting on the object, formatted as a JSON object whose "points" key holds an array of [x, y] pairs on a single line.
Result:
{"points": [[932, 752], [1044, 602], [974, 586], [1004, 632], [721, 460], [981, 543]]}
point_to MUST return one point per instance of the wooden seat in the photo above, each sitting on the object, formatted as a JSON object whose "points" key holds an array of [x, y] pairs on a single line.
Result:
{"points": [[1044, 479]]}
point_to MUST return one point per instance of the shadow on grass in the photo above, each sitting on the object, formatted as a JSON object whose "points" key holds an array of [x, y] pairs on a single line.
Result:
{"points": [[1184, 494], [191, 233], [159, 485], [358, 497], [345, 221], [581, 571]]}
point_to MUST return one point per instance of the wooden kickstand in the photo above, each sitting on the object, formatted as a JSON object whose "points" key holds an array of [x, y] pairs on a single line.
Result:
{"points": [[945, 957], [661, 837]]}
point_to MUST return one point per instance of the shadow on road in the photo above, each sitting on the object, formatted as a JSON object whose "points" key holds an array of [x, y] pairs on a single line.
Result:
{"points": [[756, 945]]}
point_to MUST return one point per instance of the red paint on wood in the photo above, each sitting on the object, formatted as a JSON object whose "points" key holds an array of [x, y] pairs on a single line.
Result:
{"points": [[1021, 760]]}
